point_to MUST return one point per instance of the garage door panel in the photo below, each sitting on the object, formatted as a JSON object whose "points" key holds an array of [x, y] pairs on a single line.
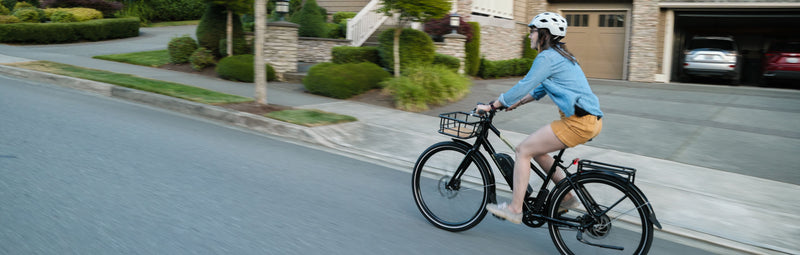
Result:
{"points": [[599, 45]]}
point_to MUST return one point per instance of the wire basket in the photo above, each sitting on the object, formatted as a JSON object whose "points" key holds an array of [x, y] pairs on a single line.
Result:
{"points": [[459, 124]]}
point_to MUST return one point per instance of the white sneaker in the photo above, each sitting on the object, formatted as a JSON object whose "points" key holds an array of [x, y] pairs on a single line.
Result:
{"points": [[502, 211]]}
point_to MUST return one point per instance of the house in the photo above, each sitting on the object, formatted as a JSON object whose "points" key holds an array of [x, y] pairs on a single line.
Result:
{"points": [[635, 40]]}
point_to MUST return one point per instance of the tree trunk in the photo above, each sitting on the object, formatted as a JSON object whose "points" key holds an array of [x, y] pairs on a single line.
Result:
{"points": [[396, 50], [229, 39], [260, 71]]}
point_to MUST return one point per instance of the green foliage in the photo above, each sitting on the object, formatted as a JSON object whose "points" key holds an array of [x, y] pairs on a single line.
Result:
{"points": [[527, 52], [310, 117], [63, 17], [335, 31], [213, 26], [22, 5], [8, 19], [240, 68], [91, 30], [163, 10], [108, 8], [349, 54], [446, 60], [80, 14], [416, 47], [472, 63], [504, 68], [340, 17], [4, 10], [240, 46], [416, 10], [312, 23], [201, 58], [181, 48], [422, 85], [9, 3], [27, 14], [343, 80]]}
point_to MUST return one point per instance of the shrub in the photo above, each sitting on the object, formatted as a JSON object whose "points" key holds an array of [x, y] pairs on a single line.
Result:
{"points": [[8, 19], [213, 26], [240, 68], [240, 46], [343, 80], [27, 14], [201, 58], [9, 4], [4, 10], [181, 48], [472, 62], [527, 52], [108, 8], [80, 14], [422, 85], [453, 63], [310, 19], [334, 31], [504, 68], [416, 48], [63, 17], [69, 32], [340, 17], [22, 5], [437, 28], [349, 54]]}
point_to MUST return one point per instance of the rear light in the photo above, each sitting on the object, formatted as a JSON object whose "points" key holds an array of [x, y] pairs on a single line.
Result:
{"points": [[732, 66]]}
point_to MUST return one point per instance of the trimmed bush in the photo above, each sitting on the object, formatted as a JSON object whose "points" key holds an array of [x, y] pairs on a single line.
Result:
{"points": [[213, 28], [108, 8], [181, 48], [8, 19], [201, 58], [63, 17], [527, 52], [416, 48], [453, 63], [505, 68], [240, 46], [349, 54], [311, 20], [240, 68], [80, 14], [91, 30], [422, 85], [472, 62], [343, 80], [340, 17]]}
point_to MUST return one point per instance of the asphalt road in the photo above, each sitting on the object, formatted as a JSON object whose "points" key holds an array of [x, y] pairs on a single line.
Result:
{"points": [[83, 174]]}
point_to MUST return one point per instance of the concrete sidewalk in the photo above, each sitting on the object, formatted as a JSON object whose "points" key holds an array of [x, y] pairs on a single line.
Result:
{"points": [[752, 214]]}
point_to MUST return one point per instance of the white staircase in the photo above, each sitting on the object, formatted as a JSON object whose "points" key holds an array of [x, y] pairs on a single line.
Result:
{"points": [[365, 23]]}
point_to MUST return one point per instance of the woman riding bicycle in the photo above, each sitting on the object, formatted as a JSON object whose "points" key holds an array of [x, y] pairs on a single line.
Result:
{"points": [[555, 72]]}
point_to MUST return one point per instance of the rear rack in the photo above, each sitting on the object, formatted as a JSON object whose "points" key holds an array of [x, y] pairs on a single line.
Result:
{"points": [[625, 172]]}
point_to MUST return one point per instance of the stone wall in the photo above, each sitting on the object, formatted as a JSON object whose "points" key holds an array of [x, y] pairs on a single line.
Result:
{"points": [[280, 47], [643, 61], [317, 50], [501, 39], [453, 45]]}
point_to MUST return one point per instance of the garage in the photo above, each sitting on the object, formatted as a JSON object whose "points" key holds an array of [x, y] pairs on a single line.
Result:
{"points": [[753, 30], [597, 38]]}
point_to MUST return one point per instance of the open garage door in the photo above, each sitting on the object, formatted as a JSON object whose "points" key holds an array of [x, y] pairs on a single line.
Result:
{"points": [[597, 38], [753, 30]]}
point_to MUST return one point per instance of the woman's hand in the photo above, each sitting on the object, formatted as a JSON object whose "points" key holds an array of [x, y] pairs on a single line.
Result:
{"points": [[483, 108]]}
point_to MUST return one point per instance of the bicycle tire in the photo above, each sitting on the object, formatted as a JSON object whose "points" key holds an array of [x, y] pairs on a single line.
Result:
{"points": [[625, 223], [448, 209]]}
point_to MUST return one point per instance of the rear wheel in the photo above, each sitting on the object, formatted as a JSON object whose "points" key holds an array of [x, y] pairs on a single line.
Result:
{"points": [[453, 206], [615, 221]]}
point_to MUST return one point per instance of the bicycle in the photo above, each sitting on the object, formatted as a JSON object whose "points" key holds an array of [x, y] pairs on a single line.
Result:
{"points": [[457, 174]]}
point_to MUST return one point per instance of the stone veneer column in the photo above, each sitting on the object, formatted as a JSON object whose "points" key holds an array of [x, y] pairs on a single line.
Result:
{"points": [[280, 47], [643, 62], [454, 45], [464, 9]]}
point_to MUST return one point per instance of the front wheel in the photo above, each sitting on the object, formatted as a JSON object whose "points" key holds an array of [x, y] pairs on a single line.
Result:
{"points": [[453, 204], [611, 218]]}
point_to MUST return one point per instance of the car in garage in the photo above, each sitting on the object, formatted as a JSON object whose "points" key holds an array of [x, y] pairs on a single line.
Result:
{"points": [[713, 56], [782, 61]]}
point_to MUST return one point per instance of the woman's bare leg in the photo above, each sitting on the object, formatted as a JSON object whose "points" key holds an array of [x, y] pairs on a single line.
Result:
{"points": [[536, 145]]}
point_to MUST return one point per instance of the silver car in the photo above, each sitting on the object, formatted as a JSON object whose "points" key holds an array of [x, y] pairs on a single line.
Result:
{"points": [[713, 56]]}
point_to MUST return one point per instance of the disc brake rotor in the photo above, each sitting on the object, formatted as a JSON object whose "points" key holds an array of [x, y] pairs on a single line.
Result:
{"points": [[444, 191]]}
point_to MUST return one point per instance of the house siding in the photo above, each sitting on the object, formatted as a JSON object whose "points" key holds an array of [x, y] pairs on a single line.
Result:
{"points": [[334, 6]]}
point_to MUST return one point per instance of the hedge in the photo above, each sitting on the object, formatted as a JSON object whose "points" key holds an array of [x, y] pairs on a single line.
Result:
{"points": [[345, 80], [453, 63], [504, 68], [92, 30], [472, 63], [350, 54], [416, 48], [423, 85], [240, 68]]}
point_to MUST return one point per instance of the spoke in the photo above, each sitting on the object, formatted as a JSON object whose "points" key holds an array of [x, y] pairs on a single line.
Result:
{"points": [[623, 214]]}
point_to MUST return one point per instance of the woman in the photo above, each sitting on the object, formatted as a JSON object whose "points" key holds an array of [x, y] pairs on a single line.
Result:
{"points": [[555, 72]]}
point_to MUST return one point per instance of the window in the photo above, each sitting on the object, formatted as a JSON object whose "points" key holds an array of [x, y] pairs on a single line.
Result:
{"points": [[612, 20], [578, 20]]}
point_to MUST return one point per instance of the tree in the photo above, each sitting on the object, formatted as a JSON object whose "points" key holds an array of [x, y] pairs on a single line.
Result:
{"points": [[411, 11], [233, 6], [260, 73]]}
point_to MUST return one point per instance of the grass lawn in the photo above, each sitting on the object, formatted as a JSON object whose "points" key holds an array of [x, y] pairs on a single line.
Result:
{"points": [[154, 58], [310, 117], [174, 23], [135, 82]]}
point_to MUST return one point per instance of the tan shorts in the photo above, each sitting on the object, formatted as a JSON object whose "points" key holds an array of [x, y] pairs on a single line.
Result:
{"points": [[574, 130]]}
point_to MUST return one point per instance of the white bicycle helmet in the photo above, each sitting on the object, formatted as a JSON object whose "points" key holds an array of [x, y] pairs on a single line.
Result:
{"points": [[552, 21]]}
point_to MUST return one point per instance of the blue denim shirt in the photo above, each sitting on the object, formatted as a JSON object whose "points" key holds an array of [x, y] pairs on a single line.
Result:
{"points": [[553, 74]]}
